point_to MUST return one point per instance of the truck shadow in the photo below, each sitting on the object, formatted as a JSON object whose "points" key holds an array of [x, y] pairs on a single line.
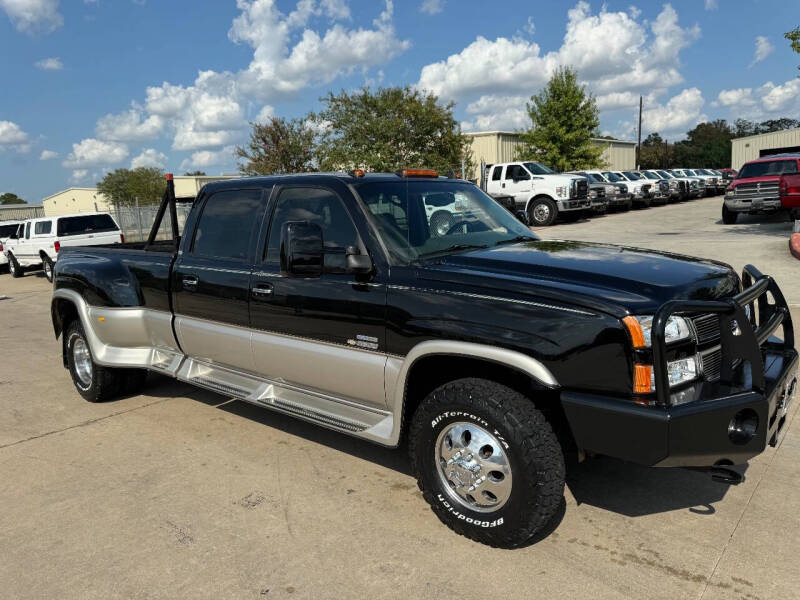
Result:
{"points": [[635, 491]]}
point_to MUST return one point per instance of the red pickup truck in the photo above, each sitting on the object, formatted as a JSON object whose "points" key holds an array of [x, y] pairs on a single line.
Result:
{"points": [[767, 185]]}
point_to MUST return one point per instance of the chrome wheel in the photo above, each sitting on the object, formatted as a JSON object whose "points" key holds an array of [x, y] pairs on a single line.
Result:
{"points": [[11, 266], [48, 270], [82, 360], [541, 213], [473, 467]]}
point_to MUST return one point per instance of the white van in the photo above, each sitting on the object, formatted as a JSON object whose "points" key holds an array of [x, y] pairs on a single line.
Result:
{"points": [[37, 241]]}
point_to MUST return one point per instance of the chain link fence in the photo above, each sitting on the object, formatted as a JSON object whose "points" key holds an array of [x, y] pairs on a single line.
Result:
{"points": [[136, 222]]}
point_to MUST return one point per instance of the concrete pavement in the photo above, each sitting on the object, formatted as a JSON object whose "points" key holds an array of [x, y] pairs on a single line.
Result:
{"points": [[181, 493]]}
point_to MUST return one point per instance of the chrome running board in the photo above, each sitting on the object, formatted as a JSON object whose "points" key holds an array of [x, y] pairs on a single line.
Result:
{"points": [[334, 413]]}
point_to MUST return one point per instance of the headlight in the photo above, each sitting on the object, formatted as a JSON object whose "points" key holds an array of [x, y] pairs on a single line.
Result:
{"points": [[673, 183], [679, 371], [640, 328], [561, 191], [592, 193]]}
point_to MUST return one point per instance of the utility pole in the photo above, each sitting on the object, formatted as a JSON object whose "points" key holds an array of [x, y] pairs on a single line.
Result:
{"points": [[639, 144]]}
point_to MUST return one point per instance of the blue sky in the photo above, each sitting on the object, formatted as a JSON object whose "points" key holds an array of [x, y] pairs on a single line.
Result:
{"points": [[93, 85]]}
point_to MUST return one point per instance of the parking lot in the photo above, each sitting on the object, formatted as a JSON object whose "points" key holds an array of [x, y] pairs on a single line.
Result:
{"points": [[180, 493]]}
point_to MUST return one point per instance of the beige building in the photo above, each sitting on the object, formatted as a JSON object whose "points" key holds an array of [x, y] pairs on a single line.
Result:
{"points": [[749, 148], [500, 146], [81, 200]]}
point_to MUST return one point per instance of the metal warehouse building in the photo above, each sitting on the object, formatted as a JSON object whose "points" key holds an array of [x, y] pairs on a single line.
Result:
{"points": [[78, 200], [500, 146], [755, 146]]}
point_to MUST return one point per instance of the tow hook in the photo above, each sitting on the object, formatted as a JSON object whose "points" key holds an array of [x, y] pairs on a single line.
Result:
{"points": [[721, 473]]}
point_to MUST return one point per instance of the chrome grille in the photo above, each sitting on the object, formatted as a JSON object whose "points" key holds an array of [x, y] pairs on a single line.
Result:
{"points": [[582, 188], [706, 328], [756, 190], [664, 186], [646, 188]]}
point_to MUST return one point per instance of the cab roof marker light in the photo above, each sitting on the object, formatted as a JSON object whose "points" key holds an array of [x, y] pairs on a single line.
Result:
{"points": [[418, 173], [357, 173]]}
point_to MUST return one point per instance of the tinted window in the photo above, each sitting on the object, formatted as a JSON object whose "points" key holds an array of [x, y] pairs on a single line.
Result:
{"points": [[632, 176], [43, 227], [538, 168], [768, 167], [321, 207], [85, 224], [27, 230], [516, 172], [226, 224], [7, 230], [496, 173]]}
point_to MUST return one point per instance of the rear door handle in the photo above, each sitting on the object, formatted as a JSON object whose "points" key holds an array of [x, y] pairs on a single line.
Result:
{"points": [[262, 291], [190, 283]]}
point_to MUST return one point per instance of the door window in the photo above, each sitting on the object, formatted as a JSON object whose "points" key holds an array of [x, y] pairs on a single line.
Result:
{"points": [[321, 207], [27, 231], [43, 227], [496, 173], [226, 224], [516, 172]]}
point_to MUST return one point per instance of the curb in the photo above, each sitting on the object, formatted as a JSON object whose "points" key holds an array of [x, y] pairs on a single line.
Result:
{"points": [[794, 245]]}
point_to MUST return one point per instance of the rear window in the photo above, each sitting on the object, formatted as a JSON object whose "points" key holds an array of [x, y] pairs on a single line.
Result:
{"points": [[8, 230], [43, 227], [86, 224], [768, 167]]}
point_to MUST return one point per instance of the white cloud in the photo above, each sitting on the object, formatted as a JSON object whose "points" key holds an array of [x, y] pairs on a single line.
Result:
{"points": [[50, 64], [764, 102], [207, 158], [79, 175], [763, 49], [712, 4], [634, 12], [48, 155], [636, 57], [33, 16], [491, 113], [12, 137], [149, 158], [92, 152], [130, 126], [432, 7], [681, 112], [265, 114]]}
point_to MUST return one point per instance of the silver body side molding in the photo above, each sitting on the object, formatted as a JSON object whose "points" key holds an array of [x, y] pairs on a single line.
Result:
{"points": [[327, 393]]}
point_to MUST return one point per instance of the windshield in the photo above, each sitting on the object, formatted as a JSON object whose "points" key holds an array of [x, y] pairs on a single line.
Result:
{"points": [[538, 168], [613, 176], [703, 172], [595, 178], [666, 175], [650, 175], [768, 167], [413, 228], [7, 230], [632, 176]]}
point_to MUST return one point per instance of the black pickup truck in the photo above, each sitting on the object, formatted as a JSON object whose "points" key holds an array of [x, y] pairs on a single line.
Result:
{"points": [[494, 353]]}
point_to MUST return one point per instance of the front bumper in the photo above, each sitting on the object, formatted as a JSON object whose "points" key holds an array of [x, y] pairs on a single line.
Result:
{"points": [[574, 204], [752, 205], [702, 424], [695, 434]]}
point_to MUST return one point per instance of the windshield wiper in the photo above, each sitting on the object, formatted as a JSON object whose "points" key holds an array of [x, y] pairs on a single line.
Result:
{"points": [[454, 248], [519, 238]]}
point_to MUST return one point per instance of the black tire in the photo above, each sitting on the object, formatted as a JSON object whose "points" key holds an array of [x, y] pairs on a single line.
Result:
{"points": [[13, 266], [543, 208], [728, 216], [627, 206], [104, 383], [440, 223], [528, 442], [47, 267], [644, 203]]}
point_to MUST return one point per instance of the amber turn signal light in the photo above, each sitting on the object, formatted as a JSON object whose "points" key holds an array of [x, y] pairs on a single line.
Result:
{"points": [[635, 329], [642, 378]]}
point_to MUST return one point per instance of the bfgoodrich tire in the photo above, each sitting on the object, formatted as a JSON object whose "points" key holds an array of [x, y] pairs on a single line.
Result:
{"points": [[487, 461], [94, 382]]}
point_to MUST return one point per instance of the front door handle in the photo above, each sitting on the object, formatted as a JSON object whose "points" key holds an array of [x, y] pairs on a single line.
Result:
{"points": [[262, 291], [502, 185], [190, 283]]}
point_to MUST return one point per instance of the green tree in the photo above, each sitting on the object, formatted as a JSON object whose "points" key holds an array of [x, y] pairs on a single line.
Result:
{"points": [[278, 146], [777, 125], [794, 39], [654, 152], [194, 174], [563, 117], [9, 198], [389, 129], [124, 186]]}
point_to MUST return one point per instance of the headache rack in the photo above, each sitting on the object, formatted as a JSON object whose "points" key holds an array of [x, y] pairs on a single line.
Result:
{"points": [[743, 338]]}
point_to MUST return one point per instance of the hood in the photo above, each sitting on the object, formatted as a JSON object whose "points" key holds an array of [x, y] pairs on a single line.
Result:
{"points": [[762, 179], [562, 179], [614, 279]]}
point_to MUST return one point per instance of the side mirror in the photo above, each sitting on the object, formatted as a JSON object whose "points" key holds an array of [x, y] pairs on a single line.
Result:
{"points": [[522, 217], [358, 263], [302, 251]]}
